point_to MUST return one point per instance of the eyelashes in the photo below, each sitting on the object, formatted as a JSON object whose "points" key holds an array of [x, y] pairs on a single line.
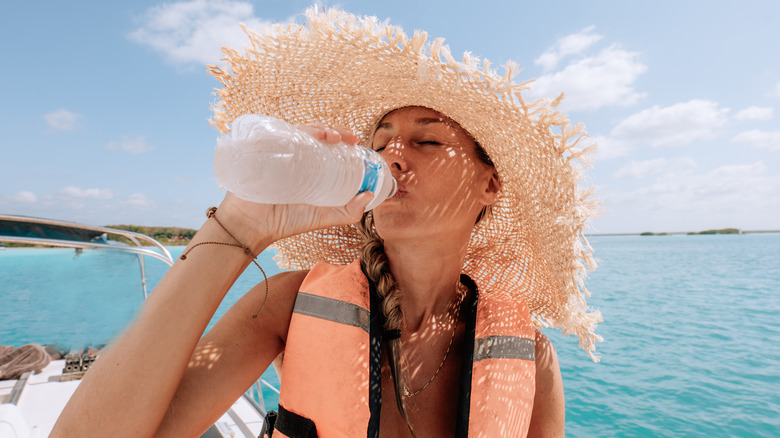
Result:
{"points": [[425, 143]]}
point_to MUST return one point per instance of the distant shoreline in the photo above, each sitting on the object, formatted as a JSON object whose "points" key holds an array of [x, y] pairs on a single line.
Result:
{"points": [[176, 236], [685, 233]]}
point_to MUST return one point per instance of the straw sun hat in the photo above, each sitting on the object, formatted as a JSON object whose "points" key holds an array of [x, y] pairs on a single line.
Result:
{"points": [[349, 71]]}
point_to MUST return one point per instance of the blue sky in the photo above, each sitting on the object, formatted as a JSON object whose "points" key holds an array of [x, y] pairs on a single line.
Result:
{"points": [[105, 106]]}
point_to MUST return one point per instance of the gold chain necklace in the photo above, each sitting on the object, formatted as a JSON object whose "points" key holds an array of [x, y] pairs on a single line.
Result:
{"points": [[459, 298]]}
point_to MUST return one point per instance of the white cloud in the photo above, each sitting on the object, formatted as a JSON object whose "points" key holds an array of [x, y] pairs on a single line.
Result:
{"points": [[776, 91], [62, 120], [594, 82], [566, 46], [608, 148], [755, 113], [71, 192], [138, 201], [762, 139], [25, 197], [642, 169], [675, 125], [133, 145], [728, 194], [195, 31]]}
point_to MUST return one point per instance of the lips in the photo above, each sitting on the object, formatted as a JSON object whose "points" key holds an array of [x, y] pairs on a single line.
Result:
{"points": [[400, 192]]}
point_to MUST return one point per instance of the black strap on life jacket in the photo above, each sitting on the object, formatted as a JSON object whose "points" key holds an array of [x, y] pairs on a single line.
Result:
{"points": [[268, 425], [464, 394], [288, 423], [375, 358]]}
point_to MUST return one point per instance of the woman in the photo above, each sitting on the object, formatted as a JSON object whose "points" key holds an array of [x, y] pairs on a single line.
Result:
{"points": [[392, 339]]}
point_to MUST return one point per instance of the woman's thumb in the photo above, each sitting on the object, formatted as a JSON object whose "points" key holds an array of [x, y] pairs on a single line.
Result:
{"points": [[357, 205]]}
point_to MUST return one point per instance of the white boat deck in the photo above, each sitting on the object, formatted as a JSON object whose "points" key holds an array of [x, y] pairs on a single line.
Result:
{"points": [[44, 396]]}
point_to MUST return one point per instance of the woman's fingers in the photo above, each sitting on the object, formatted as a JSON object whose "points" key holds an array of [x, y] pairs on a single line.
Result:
{"points": [[299, 218], [283, 220], [347, 135], [330, 134], [357, 206]]}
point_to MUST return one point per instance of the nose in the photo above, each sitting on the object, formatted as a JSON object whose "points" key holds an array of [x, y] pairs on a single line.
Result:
{"points": [[393, 154]]}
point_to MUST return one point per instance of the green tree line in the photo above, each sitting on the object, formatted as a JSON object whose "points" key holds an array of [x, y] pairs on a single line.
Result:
{"points": [[164, 235]]}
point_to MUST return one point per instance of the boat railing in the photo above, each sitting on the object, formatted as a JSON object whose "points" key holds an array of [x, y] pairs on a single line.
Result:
{"points": [[51, 232], [56, 233]]}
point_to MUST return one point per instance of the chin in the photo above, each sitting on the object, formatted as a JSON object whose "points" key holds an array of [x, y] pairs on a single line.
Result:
{"points": [[396, 226]]}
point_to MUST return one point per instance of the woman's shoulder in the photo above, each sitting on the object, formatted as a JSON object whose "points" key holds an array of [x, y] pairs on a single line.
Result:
{"points": [[272, 298], [287, 280], [283, 286], [549, 412], [545, 350]]}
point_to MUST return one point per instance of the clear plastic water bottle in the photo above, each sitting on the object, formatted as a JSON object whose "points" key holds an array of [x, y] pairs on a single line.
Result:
{"points": [[266, 160]]}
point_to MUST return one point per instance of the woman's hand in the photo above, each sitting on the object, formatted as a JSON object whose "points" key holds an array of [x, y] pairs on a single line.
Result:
{"points": [[254, 223]]}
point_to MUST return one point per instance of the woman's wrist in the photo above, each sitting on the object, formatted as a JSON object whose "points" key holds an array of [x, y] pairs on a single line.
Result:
{"points": [[248, 230]]}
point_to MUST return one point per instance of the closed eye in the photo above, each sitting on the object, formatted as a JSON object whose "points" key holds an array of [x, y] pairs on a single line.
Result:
{"points": [[430, 143]]}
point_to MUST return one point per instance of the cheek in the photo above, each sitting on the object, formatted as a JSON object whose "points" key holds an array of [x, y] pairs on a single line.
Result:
{"points": [[459, 176], [454, 192]]}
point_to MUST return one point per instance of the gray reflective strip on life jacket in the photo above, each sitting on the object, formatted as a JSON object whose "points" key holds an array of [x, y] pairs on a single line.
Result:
{"points": [[504, 347], [332, 310]]}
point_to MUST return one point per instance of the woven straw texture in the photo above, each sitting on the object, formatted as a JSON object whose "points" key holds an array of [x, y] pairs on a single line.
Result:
{"points": [[349, 71]]}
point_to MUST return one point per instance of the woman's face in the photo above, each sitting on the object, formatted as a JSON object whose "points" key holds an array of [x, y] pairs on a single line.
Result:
{"points": [[442, 182]]}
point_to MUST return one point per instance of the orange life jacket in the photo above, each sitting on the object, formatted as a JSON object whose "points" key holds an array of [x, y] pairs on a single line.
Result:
{"points": [[330, 362]]}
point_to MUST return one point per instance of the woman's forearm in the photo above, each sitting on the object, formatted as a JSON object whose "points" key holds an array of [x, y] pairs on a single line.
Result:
{"points": [[128, 389]]}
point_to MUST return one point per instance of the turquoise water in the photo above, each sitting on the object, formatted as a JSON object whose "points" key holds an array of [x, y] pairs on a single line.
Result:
{"points": [[53, 296], [691, 333]]}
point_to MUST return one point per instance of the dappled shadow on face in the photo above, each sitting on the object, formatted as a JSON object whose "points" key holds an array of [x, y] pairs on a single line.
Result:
{"points": [[442, 179]]}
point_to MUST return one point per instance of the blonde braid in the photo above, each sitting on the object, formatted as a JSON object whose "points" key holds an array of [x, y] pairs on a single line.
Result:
{"points": [[377, 268]]}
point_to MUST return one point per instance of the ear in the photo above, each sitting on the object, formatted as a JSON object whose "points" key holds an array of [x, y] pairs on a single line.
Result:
{"points": [[491, 188]]}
